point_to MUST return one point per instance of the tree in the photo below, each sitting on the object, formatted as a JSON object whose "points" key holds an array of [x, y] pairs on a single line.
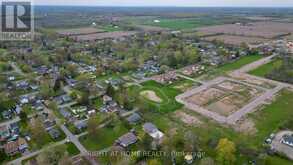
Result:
{"points": [[226, 152], [23, 117], [38, 132], [52, 156], [93, 126], [154, 162], [110, 91]]}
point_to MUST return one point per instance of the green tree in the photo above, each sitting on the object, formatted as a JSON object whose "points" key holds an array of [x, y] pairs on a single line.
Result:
{"points": [[226, 152]]}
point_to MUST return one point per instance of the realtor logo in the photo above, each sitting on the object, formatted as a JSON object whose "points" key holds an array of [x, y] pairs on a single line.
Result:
{"points": [[16, 20]]}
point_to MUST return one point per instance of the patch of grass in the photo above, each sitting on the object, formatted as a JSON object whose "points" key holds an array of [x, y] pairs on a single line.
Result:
{"points": [[273, 160], [71, 149], [271, 117], [263, 70], [105, 138]]}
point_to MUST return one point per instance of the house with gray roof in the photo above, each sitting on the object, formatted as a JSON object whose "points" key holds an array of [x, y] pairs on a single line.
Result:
{"points": [[134, 118], [127, 139]]}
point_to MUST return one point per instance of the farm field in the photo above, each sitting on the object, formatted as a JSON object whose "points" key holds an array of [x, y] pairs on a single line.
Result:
{"points": [[266, 69], [267, 30], [180, 24]]}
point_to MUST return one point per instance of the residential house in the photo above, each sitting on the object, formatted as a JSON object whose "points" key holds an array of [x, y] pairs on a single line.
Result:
{"points": [[153, 131], [65, 113], [48, 124], [54, 133], [80, 124], [14, 147], [127, 139], [134, 118]]}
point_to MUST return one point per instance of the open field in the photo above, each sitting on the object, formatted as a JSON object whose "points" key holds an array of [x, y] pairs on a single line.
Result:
{"points": [[235, 40], [105, 138], [78, 31], [271, 117], [179, 24], [267, 30]]}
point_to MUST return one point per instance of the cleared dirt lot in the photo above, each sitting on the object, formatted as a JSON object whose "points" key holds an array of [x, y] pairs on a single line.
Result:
{"points": [[235, 40], [222, 99], [267, 30], [100, 36]]}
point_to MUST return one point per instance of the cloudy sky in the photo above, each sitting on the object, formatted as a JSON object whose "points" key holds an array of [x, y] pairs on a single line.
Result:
{"points": [[246, 3]]}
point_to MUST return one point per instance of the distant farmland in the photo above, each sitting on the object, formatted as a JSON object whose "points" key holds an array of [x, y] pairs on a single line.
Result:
{"points": [[79, 31], [267, 30]]}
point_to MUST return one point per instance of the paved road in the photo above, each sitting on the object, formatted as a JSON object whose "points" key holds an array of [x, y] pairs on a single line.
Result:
{"points": [[8, 122], [191, 79]]}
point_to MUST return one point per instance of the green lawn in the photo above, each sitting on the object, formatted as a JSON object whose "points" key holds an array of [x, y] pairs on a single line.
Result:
{"points": [[71, 149], [106, 137], [239, 63], [223, 69], [263, 70]]}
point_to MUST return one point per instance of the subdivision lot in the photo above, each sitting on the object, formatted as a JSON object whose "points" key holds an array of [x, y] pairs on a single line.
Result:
{"points": [[223, 99], [235, 40]]}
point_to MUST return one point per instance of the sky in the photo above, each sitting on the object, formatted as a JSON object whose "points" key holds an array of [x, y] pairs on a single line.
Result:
{"points": [[186, 3]]}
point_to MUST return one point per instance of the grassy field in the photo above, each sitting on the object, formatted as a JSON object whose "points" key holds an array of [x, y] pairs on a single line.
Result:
{"points": [[263, 70], [223, 69], [271, 117], [239, 63], [106, 137]]}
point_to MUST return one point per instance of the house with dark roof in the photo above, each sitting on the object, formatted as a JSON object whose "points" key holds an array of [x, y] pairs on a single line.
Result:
{"points": [[65, 113], [54, 133], [288, 140], [134, 118], [127, 139]]}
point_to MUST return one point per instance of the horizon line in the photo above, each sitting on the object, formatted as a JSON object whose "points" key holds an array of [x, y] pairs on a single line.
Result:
{"points": [[161, 6]]}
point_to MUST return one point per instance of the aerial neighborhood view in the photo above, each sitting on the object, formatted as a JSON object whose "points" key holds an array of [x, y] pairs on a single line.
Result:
{"points": [[108, 82]]}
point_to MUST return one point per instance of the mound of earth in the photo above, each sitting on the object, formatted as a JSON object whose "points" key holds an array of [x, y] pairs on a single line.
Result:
{"points": [[151, 95]]}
